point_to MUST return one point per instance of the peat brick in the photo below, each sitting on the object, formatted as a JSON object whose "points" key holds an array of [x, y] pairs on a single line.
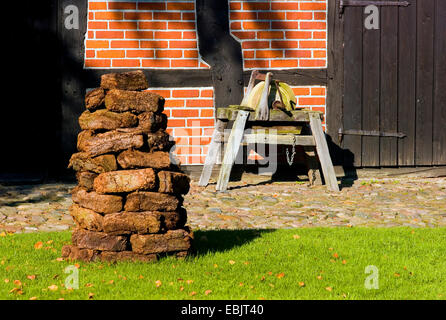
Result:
{"points": [[85, 239], [134, 80], [125, 181], [98, 202]]}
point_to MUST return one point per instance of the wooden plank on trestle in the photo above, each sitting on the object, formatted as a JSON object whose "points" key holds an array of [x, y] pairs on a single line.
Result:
{"points": [[282, 139], [323, 153], [406, 82], [439, 139], [425, 85], [213, 152], [235, 138], [274, 115]]}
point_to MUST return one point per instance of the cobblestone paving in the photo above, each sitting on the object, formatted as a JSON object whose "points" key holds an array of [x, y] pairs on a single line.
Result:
{"points": [[256, 202]]}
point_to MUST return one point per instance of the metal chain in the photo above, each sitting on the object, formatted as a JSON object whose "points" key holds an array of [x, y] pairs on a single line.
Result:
{"points": [[290, 161]]}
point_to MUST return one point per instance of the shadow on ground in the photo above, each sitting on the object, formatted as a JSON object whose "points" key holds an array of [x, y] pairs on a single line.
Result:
{"points": [[223, 240]]}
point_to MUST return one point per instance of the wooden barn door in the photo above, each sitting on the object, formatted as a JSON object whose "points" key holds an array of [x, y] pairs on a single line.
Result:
{"points": [[394, 85]]}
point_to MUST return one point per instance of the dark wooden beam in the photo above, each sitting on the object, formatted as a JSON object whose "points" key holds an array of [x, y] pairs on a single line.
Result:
{"points": [[220, 50]]}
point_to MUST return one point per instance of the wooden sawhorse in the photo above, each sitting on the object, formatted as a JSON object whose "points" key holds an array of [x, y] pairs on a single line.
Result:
{"points": [[238, 136]]}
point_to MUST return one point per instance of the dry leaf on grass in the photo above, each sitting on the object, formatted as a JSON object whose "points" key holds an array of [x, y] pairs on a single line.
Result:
{"points": [[31, 277], [231, 262], [53, 287], [301, 284], [38, 245], [329, 289], [158, 283], [207, 292]]}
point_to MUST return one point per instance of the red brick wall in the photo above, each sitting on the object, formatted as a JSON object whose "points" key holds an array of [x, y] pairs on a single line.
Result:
{"points": [[162, 34]]}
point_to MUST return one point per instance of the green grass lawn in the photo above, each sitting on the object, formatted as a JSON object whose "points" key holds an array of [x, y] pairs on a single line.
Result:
{"points": [[322, 263]]}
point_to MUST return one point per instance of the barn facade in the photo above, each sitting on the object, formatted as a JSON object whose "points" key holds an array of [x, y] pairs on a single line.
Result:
{"points": [[383, 90]]}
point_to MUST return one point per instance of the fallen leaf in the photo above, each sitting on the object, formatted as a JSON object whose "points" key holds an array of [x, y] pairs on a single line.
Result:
{"points": [[16, 291], [335, 255], [38, 245], [270, 273], [301, 284], [207, 292], [6, 280], [246, 263], [61, 299], [141, 276], [296, 236], [215, 265], [261, 298], [31, 277], [331, 249], [33, 298], [60, 259], [396, 274], [17, 283], [53, 287], [181, 288], [231, 262], [241, 284], [280, 275], [319, 277], [344, 261], [193, 293], [158, 283], [189, 281], [91, 296], [329, 289], [111, 282], [77, 265], [88, 285], [271, 285], [262, 278], [49, 241], [3, 234]]}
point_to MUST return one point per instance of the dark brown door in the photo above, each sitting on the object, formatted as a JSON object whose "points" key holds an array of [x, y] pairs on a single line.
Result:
{"points": [[395, 82]]}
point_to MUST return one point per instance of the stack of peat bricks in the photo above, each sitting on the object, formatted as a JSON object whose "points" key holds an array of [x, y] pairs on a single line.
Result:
{"points": [[128, 201]]}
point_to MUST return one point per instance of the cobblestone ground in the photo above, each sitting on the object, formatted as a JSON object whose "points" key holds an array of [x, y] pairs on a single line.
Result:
{"points": [[256, 202]]}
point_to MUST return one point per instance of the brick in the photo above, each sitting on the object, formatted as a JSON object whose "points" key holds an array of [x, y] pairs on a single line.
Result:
{"points": [[190, 53], [167, 15], [187, 150], [185, 93], [200, 122], [97, 25], [284, 64], [122, 25], [284, 25], [235, 5], [298, 54], [124, 44], [189, 35], [138, 15], [319, 54], [250, 6], [206, 113], [181, 25], [301, 91], [312, 44], [248, 54], [176, 122], [109, 34], [184, 63], [298, 35], [95, 44], [174, 103], [271, 15], [182, 44], [199, 103], [284, 44], [317, 91], [269, 54], [285, 6], [108, 15], [256, 25], [311, 101], [270, 35], [243, 15], [140, 53], [97, 6], [255, 45], [236, 25], [256, 63], [244, 34], [155, 25], [319, 35], [110, 53], [121, 5], [320, 15], [90, 53], [312, 6], [97, 63], [312, 25], [152, 6], [184, 113], [169, 53], [312, 63], [180, 6], [139, 34], [188, 16], [299, 15], [154, 44]]}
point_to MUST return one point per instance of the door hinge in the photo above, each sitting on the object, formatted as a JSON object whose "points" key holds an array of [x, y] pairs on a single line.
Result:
{"points": [[371, 133], [357, 3]]}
